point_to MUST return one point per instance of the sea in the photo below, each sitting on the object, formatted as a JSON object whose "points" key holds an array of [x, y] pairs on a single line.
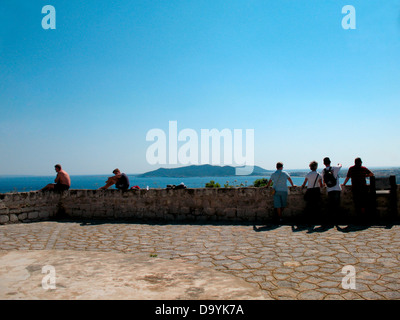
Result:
{"points": [[32, 183]]}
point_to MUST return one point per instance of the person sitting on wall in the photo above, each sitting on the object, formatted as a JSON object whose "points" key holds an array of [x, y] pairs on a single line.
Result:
{"points": [[120, 180], [62, 181]]}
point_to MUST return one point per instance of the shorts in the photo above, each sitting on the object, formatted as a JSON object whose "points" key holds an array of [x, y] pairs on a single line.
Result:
{"points": [[280, 199], [61, 187]]}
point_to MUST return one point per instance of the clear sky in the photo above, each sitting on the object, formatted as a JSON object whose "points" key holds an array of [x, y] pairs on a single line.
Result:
{"points": [[86, 94]]}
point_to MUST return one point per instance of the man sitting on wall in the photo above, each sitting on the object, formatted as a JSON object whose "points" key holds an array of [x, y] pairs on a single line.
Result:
{"points": [[62, 181], [120, 180]]}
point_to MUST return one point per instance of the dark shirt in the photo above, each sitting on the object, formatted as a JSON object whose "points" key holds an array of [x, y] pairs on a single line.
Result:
{"points": [[358, 176], [123, 182]]}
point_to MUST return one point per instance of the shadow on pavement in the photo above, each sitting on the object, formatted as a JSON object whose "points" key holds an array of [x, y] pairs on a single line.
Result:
{"points": [[344, 227], [296, 226]]}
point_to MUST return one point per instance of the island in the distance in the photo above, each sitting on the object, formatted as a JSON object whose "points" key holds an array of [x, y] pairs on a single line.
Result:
{"points": [[205, 170], [208, 170]]}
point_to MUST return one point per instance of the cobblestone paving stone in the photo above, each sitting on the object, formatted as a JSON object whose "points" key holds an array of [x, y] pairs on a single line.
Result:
{"points": [[286, 262]]}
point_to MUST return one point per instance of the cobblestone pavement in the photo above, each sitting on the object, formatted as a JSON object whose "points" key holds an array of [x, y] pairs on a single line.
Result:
{"points": [[287, 262]]}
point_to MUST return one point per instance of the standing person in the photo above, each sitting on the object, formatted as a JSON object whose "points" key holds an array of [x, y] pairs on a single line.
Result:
{"points": [[331, 180], [62, 180], [358, 175], [313, 180], [279, 179], [120, 180]]}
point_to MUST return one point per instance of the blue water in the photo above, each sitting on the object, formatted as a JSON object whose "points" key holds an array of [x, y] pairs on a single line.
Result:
{"points": [[31, 183]]}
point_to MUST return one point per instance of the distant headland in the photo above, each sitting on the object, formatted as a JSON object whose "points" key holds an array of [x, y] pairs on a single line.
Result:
{"points": [[205, 170], [208, 170]]}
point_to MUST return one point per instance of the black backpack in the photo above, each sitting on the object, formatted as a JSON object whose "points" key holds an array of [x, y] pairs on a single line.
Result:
{"points": [[329, 178]]}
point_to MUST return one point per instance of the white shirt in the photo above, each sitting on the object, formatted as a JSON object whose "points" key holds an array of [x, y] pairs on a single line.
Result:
{"points": [[313, 177], [335, 170]]}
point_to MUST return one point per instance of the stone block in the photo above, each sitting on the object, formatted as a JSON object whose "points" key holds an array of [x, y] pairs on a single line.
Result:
{"points": [[22, 216], [4, 219], [15, 210], [198, 211], [33, 196], [246, 214], [209, 211], [185, 210], [229, 212], [44, 214], [33, 215]]}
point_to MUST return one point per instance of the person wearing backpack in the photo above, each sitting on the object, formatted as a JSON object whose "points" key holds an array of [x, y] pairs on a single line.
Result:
{"points": [[330, 177]]}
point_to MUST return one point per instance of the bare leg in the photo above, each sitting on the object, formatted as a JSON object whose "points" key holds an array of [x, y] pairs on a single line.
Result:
{"points": [[279, 211], [50, 186], [109, 182]]}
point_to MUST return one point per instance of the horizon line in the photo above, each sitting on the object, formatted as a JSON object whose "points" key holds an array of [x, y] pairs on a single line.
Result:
{"points": [[135, 174]]}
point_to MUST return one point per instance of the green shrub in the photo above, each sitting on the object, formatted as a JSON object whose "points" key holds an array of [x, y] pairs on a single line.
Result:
{"points": [[212, 184], [261, 183]]}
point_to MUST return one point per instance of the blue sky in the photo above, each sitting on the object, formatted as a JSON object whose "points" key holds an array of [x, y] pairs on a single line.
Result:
{"points": [[86, 94]]}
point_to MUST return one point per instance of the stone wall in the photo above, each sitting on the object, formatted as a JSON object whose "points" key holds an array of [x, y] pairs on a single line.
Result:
{"points": [[239, 205]]}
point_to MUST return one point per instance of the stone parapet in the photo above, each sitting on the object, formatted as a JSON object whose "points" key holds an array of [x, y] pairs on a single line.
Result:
{"points": [[239, 205]]}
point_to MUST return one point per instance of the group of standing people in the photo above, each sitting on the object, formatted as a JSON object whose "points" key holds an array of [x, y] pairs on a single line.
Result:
{"points": [[315, 181]]}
